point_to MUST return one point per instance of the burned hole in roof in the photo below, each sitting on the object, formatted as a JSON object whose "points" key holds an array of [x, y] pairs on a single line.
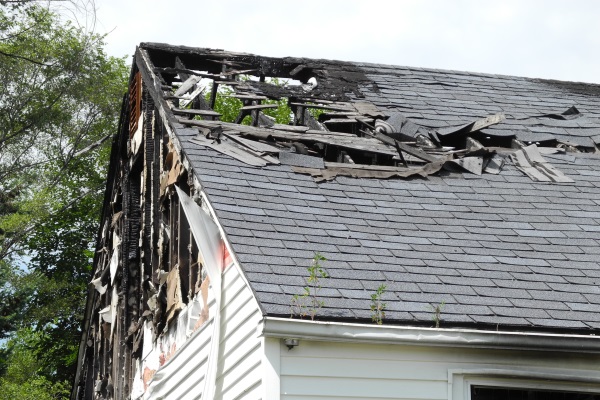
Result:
{"points": [[265, 111]]}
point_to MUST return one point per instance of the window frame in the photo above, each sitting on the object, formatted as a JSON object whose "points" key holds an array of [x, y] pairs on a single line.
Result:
{"points": [[460, 381]]}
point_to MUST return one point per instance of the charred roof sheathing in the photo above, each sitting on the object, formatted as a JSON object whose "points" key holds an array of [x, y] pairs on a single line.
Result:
{"points": [[500, 251]]}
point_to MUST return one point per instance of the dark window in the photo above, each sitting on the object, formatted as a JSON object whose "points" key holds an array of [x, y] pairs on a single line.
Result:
{"points": [[492, 393]]}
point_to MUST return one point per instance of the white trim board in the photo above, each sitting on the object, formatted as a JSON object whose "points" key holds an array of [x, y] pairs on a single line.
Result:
{"points": [[460, 381], [392, 334]]}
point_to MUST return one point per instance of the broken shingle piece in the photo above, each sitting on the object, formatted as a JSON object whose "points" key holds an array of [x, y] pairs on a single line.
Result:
{"points": [[368, 171], [472, 126], [494, 165], [530, 161], [472, 164]]}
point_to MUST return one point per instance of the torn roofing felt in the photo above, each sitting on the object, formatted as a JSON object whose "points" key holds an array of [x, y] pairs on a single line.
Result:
{"points": [[478, 192]]}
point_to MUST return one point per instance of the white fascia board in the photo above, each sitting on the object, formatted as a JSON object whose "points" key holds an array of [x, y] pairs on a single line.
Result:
{"points": [[406, 335]]}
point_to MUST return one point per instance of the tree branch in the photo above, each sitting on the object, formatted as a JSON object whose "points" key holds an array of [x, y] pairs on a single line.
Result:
{"points": [[25, 58], [92, 146]]}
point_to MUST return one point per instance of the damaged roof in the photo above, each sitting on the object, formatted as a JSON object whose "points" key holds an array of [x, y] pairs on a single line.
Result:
{"points": [[475, 194]]}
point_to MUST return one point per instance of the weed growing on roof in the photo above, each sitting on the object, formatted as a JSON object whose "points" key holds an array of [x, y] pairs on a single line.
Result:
{"points": [[308, 303], [437, 313], [377, 306]]}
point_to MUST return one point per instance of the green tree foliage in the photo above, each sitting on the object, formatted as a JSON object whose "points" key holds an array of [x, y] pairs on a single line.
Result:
{"points": [[57, 99], [22, 378], [61, 249], [60, 97], [229, 107], [16, 291], [281, 114]]}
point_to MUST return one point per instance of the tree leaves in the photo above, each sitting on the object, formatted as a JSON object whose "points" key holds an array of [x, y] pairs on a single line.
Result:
{"points": [[60, 96], [22, 378]]}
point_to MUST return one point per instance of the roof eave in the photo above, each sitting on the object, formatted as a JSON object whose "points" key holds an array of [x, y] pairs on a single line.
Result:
{"points": [[406, 335]]}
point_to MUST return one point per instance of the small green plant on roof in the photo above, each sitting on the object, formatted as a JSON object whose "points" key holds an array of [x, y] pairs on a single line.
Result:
{"points": [[437, 313], [377, 306], [309, 303]]}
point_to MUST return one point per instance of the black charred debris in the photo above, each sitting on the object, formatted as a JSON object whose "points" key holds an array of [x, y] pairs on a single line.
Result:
{"points": [[333, 129]]}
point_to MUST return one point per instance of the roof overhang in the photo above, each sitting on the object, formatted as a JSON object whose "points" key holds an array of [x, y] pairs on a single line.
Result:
{"points": [[405, 335]]}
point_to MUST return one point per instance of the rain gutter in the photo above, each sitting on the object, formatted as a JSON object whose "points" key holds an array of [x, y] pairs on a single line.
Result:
{"points": [[287, 328]]}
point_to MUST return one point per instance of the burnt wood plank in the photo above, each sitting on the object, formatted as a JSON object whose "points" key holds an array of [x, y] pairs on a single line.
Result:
{"points": [[259, 107], [203, 113], [248, 96], [323, 106]]}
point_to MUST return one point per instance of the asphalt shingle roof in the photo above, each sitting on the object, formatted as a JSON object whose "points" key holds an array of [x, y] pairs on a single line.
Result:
{"points": [[497, 250], [503, 251]]}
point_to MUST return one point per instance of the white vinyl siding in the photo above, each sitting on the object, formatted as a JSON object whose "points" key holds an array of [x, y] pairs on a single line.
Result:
{"points": [[183, 375], [333, 370], [240, 353], [239, 373]]}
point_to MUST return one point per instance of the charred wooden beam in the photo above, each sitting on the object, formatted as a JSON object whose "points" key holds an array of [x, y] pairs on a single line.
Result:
{"points": [[198, 101]]}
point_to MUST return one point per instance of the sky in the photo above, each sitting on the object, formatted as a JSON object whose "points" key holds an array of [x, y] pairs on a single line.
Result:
{"points": [[541, 39]]}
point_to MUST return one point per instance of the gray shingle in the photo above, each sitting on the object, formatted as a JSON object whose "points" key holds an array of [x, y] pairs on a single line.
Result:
{"points": [[590, 249], [238, 209], [522, 261], [477, 300], [480, 273], [441, 228], [503, 292], [273, 234], [408, 277], [256, 242], [574, 315], [467, 280], [497, 320], [540, 275], [540, 233], [469, 309], [261, 259], [297, 230], [470, 258], [314, 247], [282, 252], [520, 312], [339, 220], [432, 270], [530, 240], [553, 323], [557, 296], [449, 289], [581, 257], [426, 298], [293, 281], [406, 237], [590, 288], [348, 257], [595, 308]]}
